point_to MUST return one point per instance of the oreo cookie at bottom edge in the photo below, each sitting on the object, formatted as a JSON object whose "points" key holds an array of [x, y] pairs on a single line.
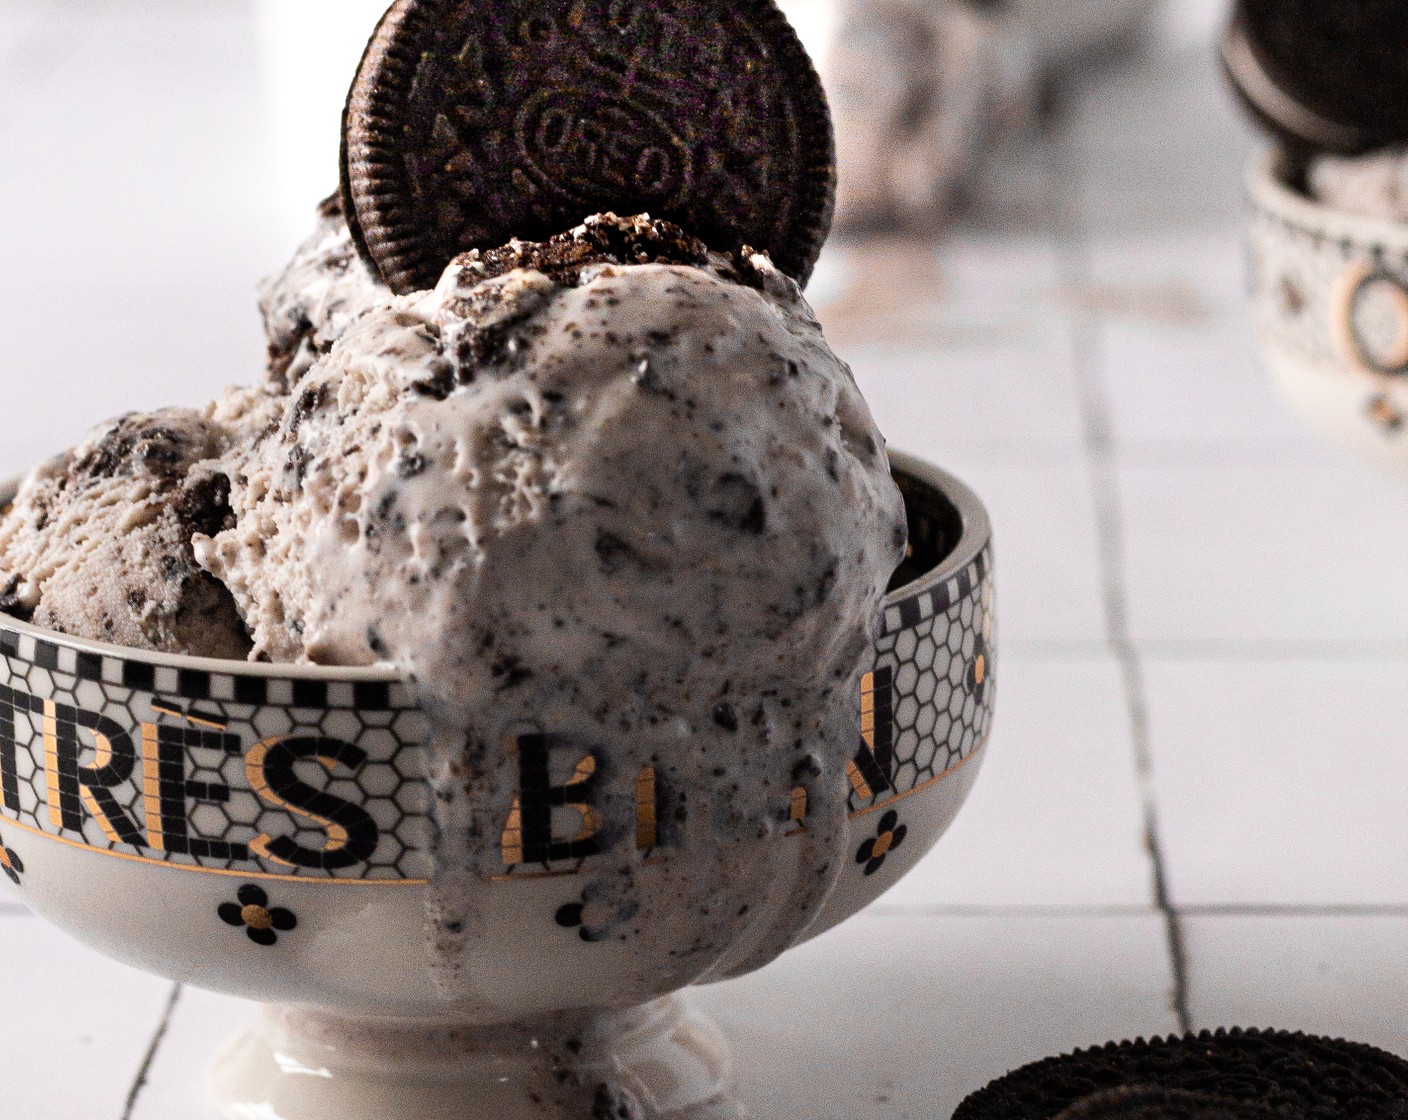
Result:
{"points": [[473, 122], [1141, 1102], [1295, 1075]]}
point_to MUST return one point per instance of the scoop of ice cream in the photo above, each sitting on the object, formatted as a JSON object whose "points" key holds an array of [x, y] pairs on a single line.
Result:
{"points": [[308, 305], [918, 89], [635, 503], [923, 90], [613, 488], [474, 428], [1372, 186], [98, 541]]}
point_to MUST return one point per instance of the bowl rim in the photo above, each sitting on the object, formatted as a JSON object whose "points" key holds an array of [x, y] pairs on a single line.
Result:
{"points": [[1266, 184], [974, 538]]}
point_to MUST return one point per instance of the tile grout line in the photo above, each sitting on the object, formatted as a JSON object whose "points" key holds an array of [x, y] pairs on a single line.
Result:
{"points": [[1072, 240], [1138, 910], [1295, 910], [144, 1070]]}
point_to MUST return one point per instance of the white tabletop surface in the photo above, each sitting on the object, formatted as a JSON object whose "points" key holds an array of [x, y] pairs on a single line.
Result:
{"points": [[1194, 809]]}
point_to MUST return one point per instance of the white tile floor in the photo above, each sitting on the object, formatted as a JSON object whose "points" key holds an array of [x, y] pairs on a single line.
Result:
{"points": [[1204, 613], [1337, 973], [1272, 782]]}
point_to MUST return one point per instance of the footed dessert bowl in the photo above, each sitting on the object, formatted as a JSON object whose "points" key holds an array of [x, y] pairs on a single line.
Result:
{"points": [[1330, 299], [264, 830]]}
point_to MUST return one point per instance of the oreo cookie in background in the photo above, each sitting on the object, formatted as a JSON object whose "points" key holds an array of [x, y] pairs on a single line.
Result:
{"points": [[1223, 1075], [1329, 75], [474, 122]]}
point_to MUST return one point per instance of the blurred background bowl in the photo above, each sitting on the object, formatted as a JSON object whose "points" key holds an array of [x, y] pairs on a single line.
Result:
{"points": [[1329, 295]]}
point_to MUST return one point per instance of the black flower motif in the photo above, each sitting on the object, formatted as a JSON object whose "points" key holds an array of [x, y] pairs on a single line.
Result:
{"points": [[975, 677], [253, 912], [598, 915], [889, 836], [11, 864], [570, 917]]}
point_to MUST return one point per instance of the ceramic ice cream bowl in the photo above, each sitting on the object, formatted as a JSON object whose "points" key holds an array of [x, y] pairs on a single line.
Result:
{"points": [[262, 830], [1329, 296]]}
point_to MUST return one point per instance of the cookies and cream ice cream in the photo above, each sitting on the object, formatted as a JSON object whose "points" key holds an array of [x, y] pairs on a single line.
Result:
{"points": [[919, 90], [97, 542], [646, 411], [308, 304], [1372, 186], [613, 487], [922, 91], [641, 504]]}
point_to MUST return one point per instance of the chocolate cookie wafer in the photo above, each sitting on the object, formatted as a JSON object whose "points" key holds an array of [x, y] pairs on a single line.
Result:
{"points": [[472, 122], [1143, 1102], [1294, 1075], [1328, 76]]}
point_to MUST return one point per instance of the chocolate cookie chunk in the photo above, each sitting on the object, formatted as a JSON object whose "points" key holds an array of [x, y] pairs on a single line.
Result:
{"points": [[473, 122], [1293, 1075], [1329, 76], [98, 543], [310, 304], [601, 239]]}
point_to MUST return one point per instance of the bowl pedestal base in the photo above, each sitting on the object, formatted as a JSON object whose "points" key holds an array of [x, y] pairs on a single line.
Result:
{"points": [[662, 1061]]}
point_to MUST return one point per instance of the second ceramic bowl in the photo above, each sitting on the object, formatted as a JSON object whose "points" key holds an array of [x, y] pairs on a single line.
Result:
{"points": [[1329, 296]]}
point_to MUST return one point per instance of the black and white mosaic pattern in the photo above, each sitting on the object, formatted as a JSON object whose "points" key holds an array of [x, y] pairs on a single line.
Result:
{"points": [[935, 652], [214, 770]]}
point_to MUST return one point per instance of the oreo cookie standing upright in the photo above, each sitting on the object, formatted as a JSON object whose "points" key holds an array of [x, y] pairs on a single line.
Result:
{"points": [[1328, 75], [1295, 1076], [473, 122]]}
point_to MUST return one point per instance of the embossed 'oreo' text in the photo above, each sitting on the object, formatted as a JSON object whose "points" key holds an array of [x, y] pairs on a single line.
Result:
{"points": [[578, 145]]}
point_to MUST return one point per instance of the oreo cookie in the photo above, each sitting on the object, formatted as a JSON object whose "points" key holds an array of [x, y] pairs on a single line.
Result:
{"points": [[474, 122], [1143, 1102], [1294, 1076], [1331, 75]]}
